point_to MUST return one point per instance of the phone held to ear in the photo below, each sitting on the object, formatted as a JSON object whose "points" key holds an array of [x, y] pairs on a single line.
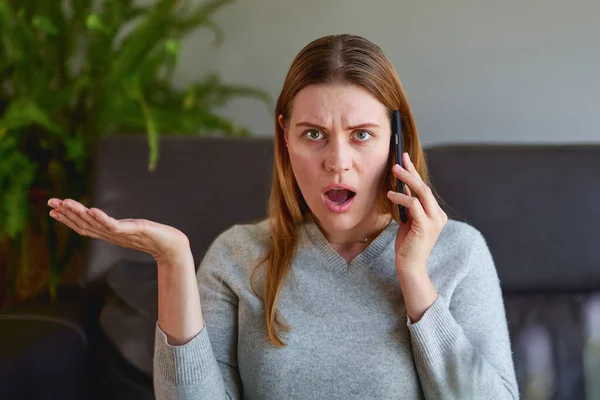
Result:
{"points": [[397, 140]]}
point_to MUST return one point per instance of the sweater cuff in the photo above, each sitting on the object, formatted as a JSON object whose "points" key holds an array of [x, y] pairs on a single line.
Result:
{"points": [[435, 334], [184, 364]]}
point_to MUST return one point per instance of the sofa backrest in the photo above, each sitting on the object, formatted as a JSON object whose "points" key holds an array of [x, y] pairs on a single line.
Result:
{"points": [[201, 186], [538, 206]]}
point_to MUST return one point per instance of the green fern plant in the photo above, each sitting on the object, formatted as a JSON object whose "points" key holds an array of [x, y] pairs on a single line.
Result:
{"points": [[72, 72]]}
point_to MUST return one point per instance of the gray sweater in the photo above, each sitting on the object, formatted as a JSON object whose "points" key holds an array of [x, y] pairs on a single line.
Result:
{"points": [[351, 337]]}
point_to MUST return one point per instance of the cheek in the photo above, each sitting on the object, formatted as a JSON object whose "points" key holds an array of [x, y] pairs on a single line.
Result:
{"points": [[375, 164], [305, 168], [374, 171]]}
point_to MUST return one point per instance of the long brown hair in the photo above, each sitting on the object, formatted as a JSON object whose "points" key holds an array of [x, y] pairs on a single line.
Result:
{"points": [[334, 59]]}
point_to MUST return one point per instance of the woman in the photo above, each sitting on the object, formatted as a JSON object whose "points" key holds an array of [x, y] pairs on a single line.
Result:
{"points": [[331, 296]]}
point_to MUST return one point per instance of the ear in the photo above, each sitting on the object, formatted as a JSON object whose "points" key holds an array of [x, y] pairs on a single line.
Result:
{"points": [[281, 124]]}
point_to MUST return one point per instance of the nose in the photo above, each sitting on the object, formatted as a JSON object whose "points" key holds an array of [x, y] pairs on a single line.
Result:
{"points": [[337, 159]]}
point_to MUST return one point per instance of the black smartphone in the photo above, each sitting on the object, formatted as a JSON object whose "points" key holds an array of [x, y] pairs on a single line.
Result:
{"points": [[397, 140]]}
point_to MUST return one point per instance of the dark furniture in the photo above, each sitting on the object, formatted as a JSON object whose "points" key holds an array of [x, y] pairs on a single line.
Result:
{"points": [[539, 209], [537, 206]]}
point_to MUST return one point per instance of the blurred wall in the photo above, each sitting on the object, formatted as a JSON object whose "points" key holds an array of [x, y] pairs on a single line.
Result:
{"points": [[473, 71]]}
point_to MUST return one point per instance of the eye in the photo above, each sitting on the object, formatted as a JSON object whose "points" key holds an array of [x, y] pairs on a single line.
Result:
{"points": [[313, 134], [312, 137], [363, 136]]}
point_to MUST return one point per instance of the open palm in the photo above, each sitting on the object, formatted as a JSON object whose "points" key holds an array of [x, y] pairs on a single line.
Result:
{"points": [[158, 240]]}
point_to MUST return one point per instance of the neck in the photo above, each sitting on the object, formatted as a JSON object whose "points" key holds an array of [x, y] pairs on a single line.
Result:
{"points": [[362, 234]]}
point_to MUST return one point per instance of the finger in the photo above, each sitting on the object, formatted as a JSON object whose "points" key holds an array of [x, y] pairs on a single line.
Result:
{"points": [[66, 221], [408, 193], [80, 213], [124, 232], [412, 203], [54, 202], [109, 222], [429, 201], [83, 227], [411, 177], [127, 226]]}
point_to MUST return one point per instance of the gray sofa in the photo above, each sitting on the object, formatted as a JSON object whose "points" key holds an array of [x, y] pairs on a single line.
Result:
{"points": [[539, 210], [537, 206]]}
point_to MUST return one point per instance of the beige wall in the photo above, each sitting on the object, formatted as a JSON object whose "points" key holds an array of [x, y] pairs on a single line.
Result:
{"points": [[483, 71]]}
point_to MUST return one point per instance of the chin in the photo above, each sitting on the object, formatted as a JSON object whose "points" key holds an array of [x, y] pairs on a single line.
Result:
{"points": [[332, 221]]}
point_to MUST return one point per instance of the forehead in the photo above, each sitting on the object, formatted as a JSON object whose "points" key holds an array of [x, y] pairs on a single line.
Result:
{"points": [[351, 103]]}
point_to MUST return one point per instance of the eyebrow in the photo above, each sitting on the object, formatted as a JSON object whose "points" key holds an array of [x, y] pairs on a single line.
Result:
{"points": [[359, 126]]}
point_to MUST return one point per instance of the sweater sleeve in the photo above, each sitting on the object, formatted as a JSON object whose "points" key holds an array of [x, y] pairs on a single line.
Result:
{"points": [[461, 346], [205, 367]]}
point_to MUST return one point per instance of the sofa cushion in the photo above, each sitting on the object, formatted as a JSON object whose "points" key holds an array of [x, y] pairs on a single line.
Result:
{"points": [[556, 344]]}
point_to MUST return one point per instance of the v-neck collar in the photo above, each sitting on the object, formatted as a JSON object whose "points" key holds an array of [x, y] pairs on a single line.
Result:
{"points": [[334, 260]]}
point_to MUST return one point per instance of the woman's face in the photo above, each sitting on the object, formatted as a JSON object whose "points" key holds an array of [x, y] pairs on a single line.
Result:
{"points": [[339, 137]]}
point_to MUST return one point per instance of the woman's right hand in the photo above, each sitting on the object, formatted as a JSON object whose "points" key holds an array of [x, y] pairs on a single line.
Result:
{"points": [[162, 242]]}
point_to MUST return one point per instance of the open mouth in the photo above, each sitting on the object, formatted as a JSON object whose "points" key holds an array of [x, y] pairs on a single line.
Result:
{"points": [[339, 196]]}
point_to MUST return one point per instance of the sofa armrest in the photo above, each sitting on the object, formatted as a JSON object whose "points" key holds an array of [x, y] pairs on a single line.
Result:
{"points": [[42, 352]]}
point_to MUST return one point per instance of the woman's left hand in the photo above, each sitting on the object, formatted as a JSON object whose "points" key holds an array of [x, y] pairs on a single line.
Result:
{"points": [[425, 220]]}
